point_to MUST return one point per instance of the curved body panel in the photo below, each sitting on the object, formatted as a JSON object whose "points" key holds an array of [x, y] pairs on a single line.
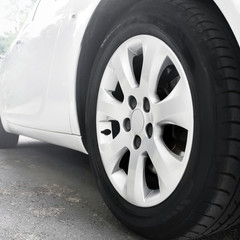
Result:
{"points": [[231, 11], [38, 76]]}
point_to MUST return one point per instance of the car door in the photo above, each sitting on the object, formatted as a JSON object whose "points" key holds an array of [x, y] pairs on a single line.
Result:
{"points": [[68, 47], [30, 97]]}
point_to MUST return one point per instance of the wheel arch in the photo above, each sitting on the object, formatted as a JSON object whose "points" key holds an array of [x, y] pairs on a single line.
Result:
{"points": [[98, 26], [101, 21]]}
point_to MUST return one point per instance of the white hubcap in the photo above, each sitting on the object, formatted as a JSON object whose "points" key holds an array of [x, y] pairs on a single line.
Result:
{"points": [[144, 121]]}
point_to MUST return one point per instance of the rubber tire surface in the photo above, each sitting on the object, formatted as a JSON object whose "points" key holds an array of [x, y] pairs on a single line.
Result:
{"points": [[207, 199], [7, 140]]}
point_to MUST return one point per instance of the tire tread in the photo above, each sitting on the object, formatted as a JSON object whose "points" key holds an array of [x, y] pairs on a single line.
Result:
{"points": [[216, 34]]}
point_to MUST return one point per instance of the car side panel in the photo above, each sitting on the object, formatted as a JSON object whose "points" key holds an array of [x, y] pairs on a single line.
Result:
{"points": [[29, 100], [59, 98], [65, 61]]}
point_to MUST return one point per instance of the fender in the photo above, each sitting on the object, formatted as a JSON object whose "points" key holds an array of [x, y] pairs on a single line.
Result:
{"points": [[98, 27], [231, 11]]}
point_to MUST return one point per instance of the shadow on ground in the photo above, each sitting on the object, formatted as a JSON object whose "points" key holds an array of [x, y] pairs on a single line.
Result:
{"points": [[48, 193]]}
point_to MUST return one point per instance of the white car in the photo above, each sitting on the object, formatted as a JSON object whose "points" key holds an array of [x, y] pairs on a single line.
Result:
{"points": [[150, 89]]}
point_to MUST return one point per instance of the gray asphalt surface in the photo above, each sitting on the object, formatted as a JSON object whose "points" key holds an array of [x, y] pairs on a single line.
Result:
{"points": [[48, 193]]}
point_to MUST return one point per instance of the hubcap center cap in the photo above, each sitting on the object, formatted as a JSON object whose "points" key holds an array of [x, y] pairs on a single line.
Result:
{"points": [[137, 122]]}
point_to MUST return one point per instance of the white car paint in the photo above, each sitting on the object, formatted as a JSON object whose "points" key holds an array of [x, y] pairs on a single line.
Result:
{"points": [[30, 102], [50, 105], [38, 95], [231, 11]]}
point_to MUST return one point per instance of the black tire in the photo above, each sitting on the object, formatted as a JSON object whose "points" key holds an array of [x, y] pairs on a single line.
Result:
{"points": [[7, 140], [207, 199]]}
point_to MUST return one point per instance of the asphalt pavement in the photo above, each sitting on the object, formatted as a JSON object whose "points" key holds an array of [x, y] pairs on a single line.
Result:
{"points": [[48, 193]]}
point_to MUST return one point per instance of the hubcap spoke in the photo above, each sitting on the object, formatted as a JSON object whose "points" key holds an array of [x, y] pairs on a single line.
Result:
{"points": [[154, 62], [110, 107], [176, 108], [122, 65], [168, 166], [113, 146], [136, 181], [113, 150]]}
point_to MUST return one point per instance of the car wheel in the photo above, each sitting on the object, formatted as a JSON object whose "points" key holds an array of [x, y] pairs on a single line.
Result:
{"points": [[7, 140], [162, 120]]}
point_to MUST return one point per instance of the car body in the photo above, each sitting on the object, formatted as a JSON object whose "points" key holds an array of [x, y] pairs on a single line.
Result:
{"points": [[49, 82]]}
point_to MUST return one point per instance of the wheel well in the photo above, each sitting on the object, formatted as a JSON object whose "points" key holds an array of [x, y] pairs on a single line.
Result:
{"points": [[98, 27]]}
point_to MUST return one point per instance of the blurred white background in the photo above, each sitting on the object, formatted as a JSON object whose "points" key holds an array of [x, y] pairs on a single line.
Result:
{"points": [[13, 13]]}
